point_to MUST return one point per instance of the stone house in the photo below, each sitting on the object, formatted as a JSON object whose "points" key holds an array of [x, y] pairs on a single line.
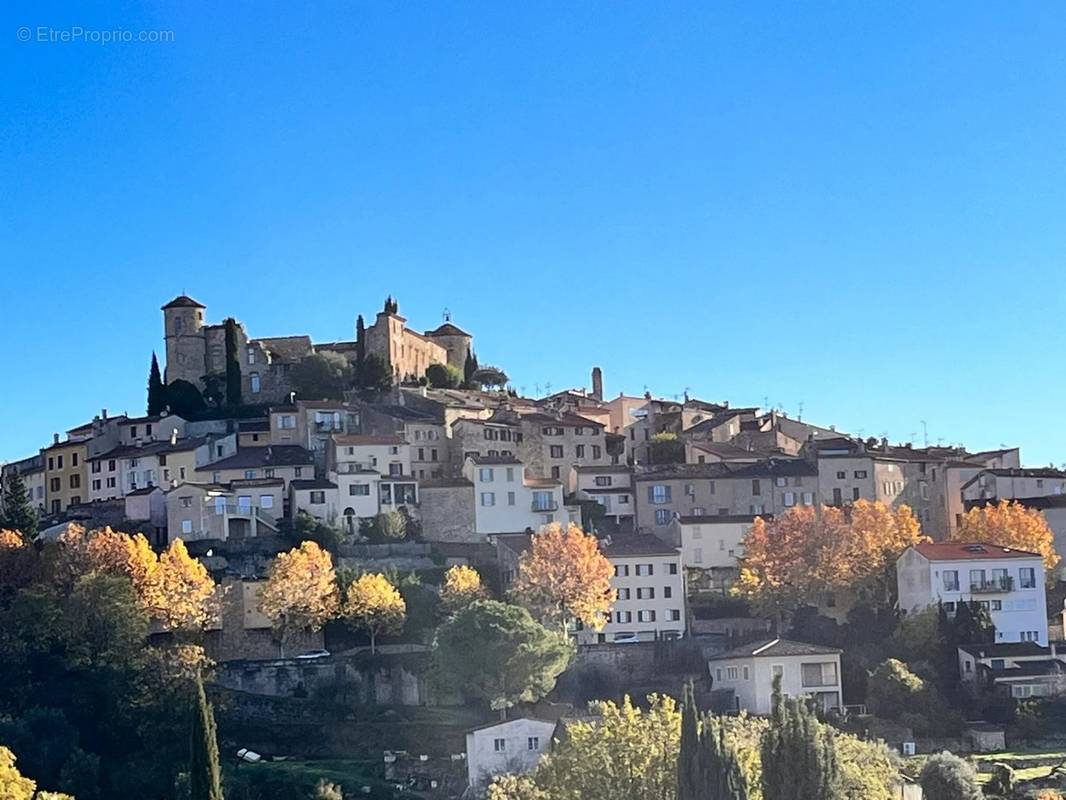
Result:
{"points": [[448, 511], [550, 444], [422, 430]]}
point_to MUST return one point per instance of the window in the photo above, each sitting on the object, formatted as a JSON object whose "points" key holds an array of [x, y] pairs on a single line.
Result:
{"points": [[244, 503], [186, 526], [603, 480], [55, 484], [251, 355], [485, 474], [287, 421], [249, 474], [646, 593], [659, 494], [318, 497], [667, 592], [95, 467], [675, 614], [543, 501], [747, 673], [645, 569], [647, 615], [732, 673], [579, 451], [254, 380], [555, 472], [556, 451], [297, 472], [623, 616], [697, 555], [359, 490], [499, 745], [1027, 578], [533, 743], [111, 465], [671, 569], [111, 483], [623, 594], [777, 671], [841, 476], [855, 493], [75, 481], [756, 487], [662, 516], [997, 605], [488, 499], [781, 481], [266, 501], [860, 473], [808, 498], [790, 498], [621, 570], [820, 674], [596, 451], [697, 511], [510, 498], [96, 485], [977, 578], [623, 499], [59, 462], [951, 580]]}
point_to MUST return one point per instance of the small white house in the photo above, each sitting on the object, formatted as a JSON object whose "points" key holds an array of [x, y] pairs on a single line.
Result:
{"points": [[317, 497], [806, 670], [1019, 669], [512, 746], [1009, 583]]}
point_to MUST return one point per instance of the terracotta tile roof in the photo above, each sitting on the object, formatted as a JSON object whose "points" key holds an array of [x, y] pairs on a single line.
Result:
{"points": [[183, 301]]}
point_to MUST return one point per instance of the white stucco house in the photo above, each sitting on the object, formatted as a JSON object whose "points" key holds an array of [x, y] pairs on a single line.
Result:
{"points": [[1009, 583], [511, 746], [806, 670], [506, 501]]}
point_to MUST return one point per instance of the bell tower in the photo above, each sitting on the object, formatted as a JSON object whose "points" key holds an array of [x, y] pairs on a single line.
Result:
{"points": [[186, 347]]}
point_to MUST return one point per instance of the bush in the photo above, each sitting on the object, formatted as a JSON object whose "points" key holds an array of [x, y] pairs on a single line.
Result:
{"points": [[322, 376], [893, 690], [443, 376], [945, 776]]}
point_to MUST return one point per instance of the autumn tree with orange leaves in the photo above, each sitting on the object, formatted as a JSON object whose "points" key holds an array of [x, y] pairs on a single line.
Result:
{"points": [[807, 552], [182, 591], [18, 561], [301, 591], [564, 576], [461, 587], [1013, 525]]}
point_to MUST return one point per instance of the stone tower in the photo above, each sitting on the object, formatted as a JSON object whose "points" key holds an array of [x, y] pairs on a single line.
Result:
{"points": [[456, 341], [183, 331]]}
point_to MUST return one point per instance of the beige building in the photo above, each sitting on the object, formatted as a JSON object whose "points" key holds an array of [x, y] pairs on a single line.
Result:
{"points": [[127, 468], [611, 486], [239, 509], [320, 498], [373, 474], [1014, 484], [65, 474], [710, 548], [723, 489], [423, 431], [747, 673]]}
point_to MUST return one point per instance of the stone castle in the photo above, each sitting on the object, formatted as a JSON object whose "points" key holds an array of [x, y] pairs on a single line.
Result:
{"points": [[195, 349]]}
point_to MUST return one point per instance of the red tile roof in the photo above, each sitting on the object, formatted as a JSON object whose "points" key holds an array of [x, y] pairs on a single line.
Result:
{"points": [[963, 551]]}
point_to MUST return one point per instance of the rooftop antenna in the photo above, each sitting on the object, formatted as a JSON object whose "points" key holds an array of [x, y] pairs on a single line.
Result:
{"points": [[536, 389], [548, 388], [939, 441], [766, 402], [914, 435], [799, 416], [925, 433]]}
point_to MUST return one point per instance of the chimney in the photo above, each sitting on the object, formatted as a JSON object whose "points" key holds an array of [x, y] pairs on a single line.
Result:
{"points": [[55, 438], [884, 443], [597, 383], [103, 413]]}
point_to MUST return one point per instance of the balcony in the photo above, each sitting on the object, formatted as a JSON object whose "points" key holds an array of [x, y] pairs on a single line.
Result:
{"points": [[250, 512], [1004, 584], [329, 426]]}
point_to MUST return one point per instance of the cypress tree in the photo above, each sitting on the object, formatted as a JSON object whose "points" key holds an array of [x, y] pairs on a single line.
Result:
{"points": [[157, 392], [722, 777], [205, 776], [19, 513], [688, 766], [469, 368], [798, 753], [358, 378], [233, 364]]}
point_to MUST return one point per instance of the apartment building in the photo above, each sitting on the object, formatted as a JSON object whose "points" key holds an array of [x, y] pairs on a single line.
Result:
{"points": [[65, 473], [649, 592], [238, 509], [1009, 583], [552, 443], [1014, 484], [848, 471], [499, 435], [127, 468], [748, 672], [507, 501], [771, 486]]}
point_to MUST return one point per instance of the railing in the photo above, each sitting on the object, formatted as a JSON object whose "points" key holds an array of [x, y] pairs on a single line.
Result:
{"points": [[329, 426], [1004, 584], [237, 510]]}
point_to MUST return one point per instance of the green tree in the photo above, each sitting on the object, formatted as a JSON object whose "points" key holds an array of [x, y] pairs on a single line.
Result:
{"points": [[205, 777], [490, 377], [157, 393], [388, 526], [19, 513], [707, 765], [893, 690], [666, 448], [322, 376], [469, 368], [500, 654], [233, 363], [945, 776], [689, 778], [214, 389], [184, 399], [326, 790], [376, 377], [443, 376], [799, 759]]}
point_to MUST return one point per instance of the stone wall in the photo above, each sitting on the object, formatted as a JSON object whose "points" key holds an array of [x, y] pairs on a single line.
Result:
{"points": [[448, 513]]}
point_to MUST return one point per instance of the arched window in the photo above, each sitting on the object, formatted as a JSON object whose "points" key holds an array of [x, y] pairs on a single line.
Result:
{"points": [[350, 521]]}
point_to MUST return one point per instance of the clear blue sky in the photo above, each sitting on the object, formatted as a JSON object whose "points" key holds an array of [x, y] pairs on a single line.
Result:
{"points": [[861, 208]]}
